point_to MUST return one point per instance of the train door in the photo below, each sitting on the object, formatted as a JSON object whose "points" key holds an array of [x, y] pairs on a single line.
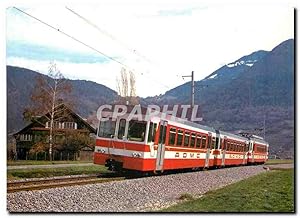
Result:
{"points": [[224, 151], [245, 153], [251, 152], [151, 130], [217, 148], [161, 146], [208, 150]]}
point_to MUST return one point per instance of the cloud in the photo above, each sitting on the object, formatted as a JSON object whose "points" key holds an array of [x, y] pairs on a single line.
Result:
{"points": [[180, 12], [163, 41], [44, 53]]}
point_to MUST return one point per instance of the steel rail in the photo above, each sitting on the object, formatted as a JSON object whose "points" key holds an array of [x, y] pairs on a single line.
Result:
{"points": [[58, 182]]}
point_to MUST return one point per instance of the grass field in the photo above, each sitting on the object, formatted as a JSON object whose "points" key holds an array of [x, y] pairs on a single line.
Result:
{"points": [[42, 162], [279, 161], [49, 172], [272, 191]]}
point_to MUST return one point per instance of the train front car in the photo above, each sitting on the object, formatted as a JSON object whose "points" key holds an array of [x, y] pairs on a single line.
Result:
{"points": [[126, 144], [258, 150]]}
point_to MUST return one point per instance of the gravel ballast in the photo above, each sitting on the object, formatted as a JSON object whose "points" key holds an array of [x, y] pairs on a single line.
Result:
{"points": [[135, 195]]}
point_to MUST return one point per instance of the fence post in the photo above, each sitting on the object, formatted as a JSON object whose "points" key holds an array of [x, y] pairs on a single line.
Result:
{"points": [[45, 155], [61, 156], [68, 157]]}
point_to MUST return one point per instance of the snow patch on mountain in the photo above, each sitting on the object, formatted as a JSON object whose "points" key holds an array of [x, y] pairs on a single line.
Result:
{"points": [[213, 76], [238, 63]]}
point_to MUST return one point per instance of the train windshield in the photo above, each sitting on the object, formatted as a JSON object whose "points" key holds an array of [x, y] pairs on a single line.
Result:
{"points": [[107, 128], [136, 130]]}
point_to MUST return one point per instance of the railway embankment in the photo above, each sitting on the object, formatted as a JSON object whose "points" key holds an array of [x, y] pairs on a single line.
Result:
{"points": [[134, 195]]}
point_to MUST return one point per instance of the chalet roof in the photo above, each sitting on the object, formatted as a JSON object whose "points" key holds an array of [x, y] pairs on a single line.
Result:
{"points": [[67, 109]]}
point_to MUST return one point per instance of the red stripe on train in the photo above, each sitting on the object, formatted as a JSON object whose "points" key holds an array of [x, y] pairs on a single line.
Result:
{"points": [[123, 145]]}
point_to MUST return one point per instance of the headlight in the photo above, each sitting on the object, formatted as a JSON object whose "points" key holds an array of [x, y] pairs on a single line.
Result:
{"points": [[134, 154]]}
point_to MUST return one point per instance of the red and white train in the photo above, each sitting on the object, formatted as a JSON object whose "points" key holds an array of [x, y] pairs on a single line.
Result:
{"points": [[159, 144]]}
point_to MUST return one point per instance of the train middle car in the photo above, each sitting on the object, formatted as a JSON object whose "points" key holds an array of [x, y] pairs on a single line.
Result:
{"points": [[164, 144]]}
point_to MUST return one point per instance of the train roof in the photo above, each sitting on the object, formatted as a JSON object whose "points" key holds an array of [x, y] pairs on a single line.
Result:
{"points": [[192, 124], [210, 129], [233, 135], [258, 140]]}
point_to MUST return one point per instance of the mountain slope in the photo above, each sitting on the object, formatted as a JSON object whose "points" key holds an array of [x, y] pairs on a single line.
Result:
{"points": [[20, 83], [253, 92]]}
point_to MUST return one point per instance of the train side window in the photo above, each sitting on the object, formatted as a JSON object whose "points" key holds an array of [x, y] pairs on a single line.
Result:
{"points": [[203, 145], [186, 138], [198, 141], [172, 136], [152, 132], [121, 130], [213, 144], [136, 130], [179, 137], [193, 139], [162, 134], [107, 128]]}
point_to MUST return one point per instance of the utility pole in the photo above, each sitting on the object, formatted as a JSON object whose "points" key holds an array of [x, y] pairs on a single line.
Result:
{"points": [[264, 126], [192, 89]]}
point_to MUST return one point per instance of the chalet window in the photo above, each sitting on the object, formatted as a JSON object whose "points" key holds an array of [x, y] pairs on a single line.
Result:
{"points": [[70, 125], [172, 136], [25, 137]]}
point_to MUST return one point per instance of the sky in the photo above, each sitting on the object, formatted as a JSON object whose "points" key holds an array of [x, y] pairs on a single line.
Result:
{"points": [[160, 41]]}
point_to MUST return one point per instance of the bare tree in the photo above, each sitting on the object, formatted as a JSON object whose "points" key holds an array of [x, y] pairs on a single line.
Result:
{"points": [[126, 87], [47, 95]]}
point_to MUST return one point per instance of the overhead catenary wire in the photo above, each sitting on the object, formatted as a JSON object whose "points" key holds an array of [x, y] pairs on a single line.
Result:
{"points": [[81, 42], [101, 30], [107, 34], [72, 37]]}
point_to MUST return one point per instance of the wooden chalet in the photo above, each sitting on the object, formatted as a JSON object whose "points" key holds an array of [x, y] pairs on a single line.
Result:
{"points": [[65, 123]]}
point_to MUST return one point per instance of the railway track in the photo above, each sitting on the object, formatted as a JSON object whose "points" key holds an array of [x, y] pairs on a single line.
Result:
{"points": [[17, 186]]}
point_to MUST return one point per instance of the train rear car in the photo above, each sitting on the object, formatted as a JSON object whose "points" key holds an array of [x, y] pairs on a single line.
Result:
{"points": [[258, 150]]}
